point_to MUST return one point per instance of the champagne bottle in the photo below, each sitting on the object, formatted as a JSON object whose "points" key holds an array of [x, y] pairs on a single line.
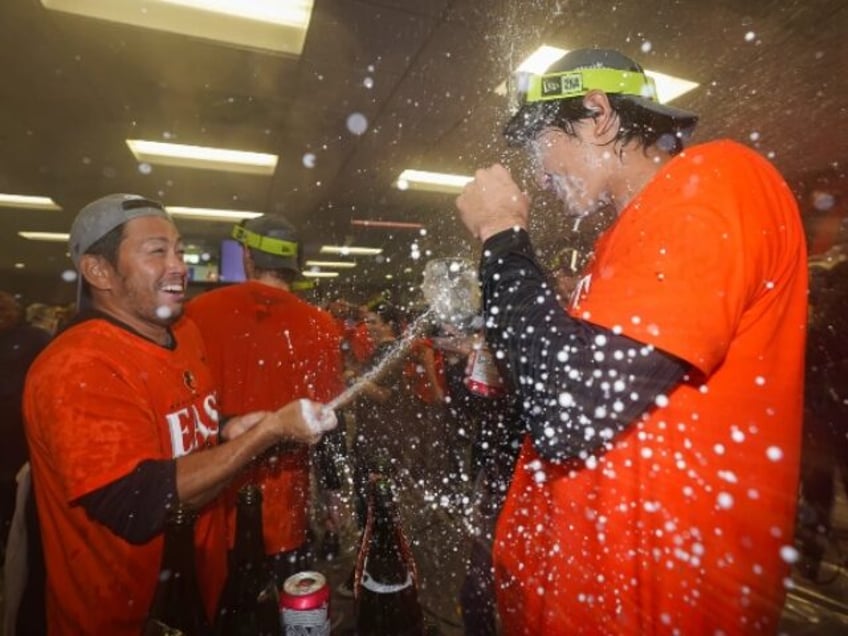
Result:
{"points": [[177, 606], [386, 579], [249, 602]]}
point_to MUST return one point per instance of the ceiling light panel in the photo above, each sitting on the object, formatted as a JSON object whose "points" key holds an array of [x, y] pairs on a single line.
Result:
{"points": [[351, 250], [211, 214], [27, 202], [309, 274], [272, 25], [432, 181], [332, 264], [54, 237], [203, 157]]}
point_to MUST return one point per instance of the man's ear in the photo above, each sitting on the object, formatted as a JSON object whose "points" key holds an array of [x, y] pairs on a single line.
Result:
{"points": [[97, 271], [604, 118]]}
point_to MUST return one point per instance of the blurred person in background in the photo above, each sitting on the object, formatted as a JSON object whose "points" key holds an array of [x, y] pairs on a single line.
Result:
{"points": [[20, 343], [122, 424], [657, 483], [267, 347], [43, 316], [825, 447], [21, 557]]}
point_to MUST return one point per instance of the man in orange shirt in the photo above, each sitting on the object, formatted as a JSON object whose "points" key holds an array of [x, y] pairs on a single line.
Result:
{"points": [[656, 488], [122, 423], [267, 347]]}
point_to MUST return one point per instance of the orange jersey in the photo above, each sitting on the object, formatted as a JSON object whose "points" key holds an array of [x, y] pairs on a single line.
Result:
{"points": [[98, 401], [686, 525], [266, 348]]}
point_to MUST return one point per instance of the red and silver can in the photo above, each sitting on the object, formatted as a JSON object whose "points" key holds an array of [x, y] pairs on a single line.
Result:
{"points": [[305, 605], [483, 377]]}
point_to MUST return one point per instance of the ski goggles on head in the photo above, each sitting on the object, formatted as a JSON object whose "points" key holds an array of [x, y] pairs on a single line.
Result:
{"points": [[576, 83], [267, 244]]}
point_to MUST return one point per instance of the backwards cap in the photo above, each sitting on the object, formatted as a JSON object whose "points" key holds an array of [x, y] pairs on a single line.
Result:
{"points": [[100, 217], [577, 73], [272, 241]]}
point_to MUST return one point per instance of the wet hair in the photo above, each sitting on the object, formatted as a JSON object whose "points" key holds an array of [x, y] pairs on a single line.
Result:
{"points": [[107, 246], [636, 123]]}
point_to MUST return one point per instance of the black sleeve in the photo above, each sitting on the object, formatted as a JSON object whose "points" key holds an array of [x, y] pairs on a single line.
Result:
{"points": [[578, 384], [134, 506]]}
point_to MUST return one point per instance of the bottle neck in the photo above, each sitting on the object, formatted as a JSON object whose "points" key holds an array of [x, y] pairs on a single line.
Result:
{"points": [[250, 544], [178, 551]]}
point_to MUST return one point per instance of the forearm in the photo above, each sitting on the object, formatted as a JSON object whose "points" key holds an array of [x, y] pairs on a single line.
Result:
{"points": [[203, 474], [579, 384]]}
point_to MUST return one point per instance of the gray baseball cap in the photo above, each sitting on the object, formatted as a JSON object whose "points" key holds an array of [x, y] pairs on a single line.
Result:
{"points": [[100, 217]]}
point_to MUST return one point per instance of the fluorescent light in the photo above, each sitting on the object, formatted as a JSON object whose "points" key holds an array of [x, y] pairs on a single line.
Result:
{"points": [[45, 236], [669, 87], [540, 59], [28, 202], [399, 225], [273, 25], [351, 250], [431, 181], [185, 156], [331, 264], [320, 274], [211, 214]]}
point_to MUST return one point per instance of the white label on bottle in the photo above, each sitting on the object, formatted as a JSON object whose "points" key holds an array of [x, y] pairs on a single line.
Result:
{"points": [[373, 585]]}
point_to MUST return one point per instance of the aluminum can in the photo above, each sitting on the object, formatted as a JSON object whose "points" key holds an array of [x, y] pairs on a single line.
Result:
{"points": [[305, 605], [483, 378]]}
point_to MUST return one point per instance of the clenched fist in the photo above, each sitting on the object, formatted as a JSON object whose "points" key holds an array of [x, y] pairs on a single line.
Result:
{"points": [[492, 202]]}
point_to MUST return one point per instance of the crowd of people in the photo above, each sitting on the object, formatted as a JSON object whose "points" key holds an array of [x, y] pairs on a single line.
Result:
{"points": [[640, 474]]}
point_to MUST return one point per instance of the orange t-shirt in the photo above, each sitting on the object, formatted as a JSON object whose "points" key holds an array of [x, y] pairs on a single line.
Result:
{"points": [[266, 348], [685, 526], [98, 401]]}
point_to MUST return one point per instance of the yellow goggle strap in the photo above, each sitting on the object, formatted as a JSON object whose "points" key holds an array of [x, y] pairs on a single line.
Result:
{"points": [[551, 86], [278, 247]]}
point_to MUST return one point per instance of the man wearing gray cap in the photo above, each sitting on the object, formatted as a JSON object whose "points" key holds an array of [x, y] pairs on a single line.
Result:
{"points": [[122, 423], [656, 488]]}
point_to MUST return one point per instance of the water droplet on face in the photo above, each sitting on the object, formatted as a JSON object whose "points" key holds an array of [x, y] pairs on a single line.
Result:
{"points": [[309, 160], [357, 123], [163, 312]]}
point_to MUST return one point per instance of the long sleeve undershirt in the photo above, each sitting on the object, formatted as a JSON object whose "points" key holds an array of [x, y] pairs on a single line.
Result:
{"points": [[578, 384]]}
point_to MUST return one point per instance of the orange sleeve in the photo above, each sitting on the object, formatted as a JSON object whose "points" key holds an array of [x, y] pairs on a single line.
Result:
{"points": [[94, 430]]}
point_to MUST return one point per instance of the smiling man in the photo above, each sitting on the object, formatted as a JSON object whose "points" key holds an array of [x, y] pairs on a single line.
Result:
{"points": [[657, 484], [122, 424]]}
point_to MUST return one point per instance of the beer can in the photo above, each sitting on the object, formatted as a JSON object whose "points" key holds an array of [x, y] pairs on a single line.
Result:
{"points": [[305, 605], [484, 378]]}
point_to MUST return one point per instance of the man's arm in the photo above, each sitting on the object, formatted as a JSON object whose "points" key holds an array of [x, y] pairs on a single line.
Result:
{"points": [[579, 384], [134, 506]]}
